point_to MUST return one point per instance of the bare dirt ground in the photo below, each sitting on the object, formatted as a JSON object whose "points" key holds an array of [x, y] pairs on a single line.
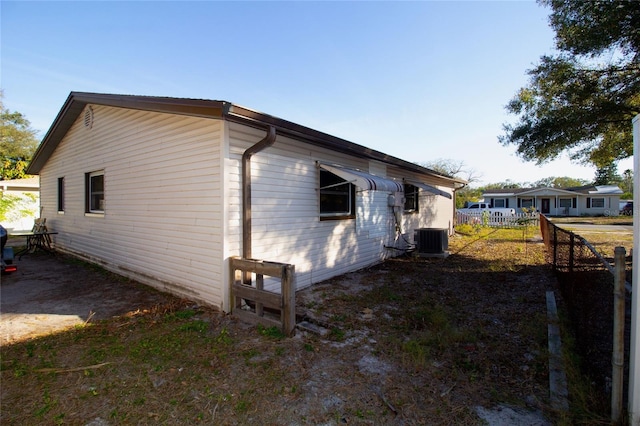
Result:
{"points": [[460, 340], [52, 293]]}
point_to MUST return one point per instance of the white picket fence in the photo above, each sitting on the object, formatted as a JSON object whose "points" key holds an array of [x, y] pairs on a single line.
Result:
{"points": [[497, 219]]}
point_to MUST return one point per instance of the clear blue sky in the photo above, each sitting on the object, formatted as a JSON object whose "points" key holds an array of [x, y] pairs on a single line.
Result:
{"points": [[418, 80]]}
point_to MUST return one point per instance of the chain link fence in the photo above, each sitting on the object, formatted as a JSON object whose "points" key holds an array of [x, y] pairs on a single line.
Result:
{"points": [[586, 281]]}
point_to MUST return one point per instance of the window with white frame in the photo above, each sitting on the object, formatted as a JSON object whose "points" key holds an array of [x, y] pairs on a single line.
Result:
{"points": [[411, 193], [565, 203], [526, 203], [499, 202], [94, 183], [337, 197], [597, 203]]}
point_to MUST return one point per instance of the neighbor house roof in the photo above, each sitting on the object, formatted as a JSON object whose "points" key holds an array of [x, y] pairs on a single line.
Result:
{"points": [[31, 184], [585, 190], [76, 102], [597, 190]]}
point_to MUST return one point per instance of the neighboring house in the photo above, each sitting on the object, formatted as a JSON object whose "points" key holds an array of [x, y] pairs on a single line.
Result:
{"points": [[166, 190], [590, 200], [21, 197]]}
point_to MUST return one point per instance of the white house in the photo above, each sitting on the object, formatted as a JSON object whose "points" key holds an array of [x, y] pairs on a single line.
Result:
{"points": [[166, 190], [24, 196], [590, 200]]}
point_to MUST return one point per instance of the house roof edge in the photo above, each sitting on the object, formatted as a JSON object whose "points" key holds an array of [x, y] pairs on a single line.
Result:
{"points": [[76, 102]]}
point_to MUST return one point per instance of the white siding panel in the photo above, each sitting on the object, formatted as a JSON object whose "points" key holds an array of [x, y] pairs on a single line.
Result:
{"points": [[285, 210], [163, 196], [434, 211]]}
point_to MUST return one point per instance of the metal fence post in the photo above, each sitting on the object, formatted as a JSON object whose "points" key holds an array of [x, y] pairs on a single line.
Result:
{"points": [[617, 357], [572, 242]]}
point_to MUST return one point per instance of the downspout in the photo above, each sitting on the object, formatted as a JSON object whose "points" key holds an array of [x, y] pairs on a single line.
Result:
{"points": [[266, 142], [455, 209]]}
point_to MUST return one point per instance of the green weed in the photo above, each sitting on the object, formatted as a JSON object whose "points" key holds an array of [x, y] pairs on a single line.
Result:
{"points": [[337, 334], [183, 314], [198, 326], [417, 352], [48, 404], [250, 353], [241, 407], [224, 337], [272, 332]]}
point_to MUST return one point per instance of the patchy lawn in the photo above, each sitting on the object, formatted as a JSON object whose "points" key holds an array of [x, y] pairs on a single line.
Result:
{"points": [[406, 342], [604, 240]]}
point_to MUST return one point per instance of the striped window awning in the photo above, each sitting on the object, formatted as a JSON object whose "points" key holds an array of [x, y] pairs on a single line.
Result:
{"points": [[429, 188], [364, 180]]}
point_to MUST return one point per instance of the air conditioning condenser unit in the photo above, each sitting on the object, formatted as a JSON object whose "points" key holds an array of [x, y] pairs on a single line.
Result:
{"points": [[432, 242]]}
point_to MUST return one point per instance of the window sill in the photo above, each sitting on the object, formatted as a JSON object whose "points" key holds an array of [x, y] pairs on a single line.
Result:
{"points": [[347, 217], [94, 215]]}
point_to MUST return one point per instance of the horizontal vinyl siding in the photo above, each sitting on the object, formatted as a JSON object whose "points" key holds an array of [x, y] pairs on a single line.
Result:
{"points": [[285, 210], [163, 208], [434, 211]]}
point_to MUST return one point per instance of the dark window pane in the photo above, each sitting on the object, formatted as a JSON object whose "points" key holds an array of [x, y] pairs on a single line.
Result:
{"points": [[335, 195], [411, 200]]}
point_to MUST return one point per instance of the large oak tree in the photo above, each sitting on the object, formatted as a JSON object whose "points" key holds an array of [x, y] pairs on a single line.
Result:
{"points": [[582, 99]]}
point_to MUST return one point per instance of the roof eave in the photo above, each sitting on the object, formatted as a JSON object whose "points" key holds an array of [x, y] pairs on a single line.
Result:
{"points": [[253, 118], [77, 101]]}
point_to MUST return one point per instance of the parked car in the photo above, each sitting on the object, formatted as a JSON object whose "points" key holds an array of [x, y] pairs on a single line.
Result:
{"points": [[627, 209], [478, 208], [6, 253]]}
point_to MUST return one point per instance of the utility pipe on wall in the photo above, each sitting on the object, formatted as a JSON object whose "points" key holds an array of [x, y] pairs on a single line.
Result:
{"points": [[266, 142]]}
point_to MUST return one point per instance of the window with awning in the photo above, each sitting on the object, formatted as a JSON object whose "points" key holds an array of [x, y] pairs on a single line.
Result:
{"points": [[364, 180], [411, 202], [337, 197]]}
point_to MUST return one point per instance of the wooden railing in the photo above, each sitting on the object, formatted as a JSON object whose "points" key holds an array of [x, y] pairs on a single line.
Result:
{"points": [[252, 303]]}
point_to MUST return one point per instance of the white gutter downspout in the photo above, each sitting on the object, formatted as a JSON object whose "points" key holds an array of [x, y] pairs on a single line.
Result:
{"points": [[266, 142], [455, 209]]}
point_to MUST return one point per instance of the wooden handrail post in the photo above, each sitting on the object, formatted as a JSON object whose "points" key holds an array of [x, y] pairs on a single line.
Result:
{"points": [[288, 300], [285, 302]]}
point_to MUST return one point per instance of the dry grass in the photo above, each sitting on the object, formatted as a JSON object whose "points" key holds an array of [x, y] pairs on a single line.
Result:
{"points": [[408, 341], [596, 220], [603, 240]]}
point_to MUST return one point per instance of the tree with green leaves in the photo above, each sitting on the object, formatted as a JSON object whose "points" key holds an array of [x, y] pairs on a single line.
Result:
{"points": [[627, 184], [581, 100], [608, 175], [559, 182], [18, 143], [507, 184]]}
